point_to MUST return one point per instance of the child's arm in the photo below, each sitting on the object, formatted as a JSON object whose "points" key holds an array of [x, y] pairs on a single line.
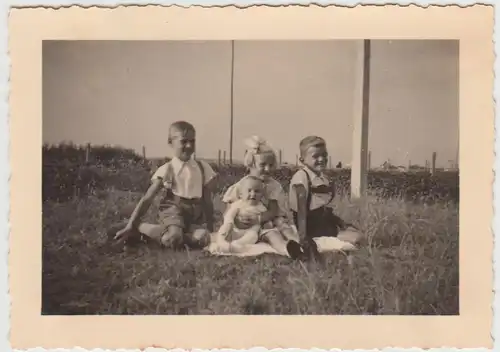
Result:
{"points": [[209, 206], [301, 201], [141, 208], [228, 222], [209, 189], [307, 242], [271, 212]]}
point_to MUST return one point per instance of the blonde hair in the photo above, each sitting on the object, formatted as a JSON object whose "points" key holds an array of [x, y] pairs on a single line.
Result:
{"points": [[180, 126], [256, 146]]}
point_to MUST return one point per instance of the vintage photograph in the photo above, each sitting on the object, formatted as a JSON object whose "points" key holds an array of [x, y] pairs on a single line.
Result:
{"points": [[250, 177]]}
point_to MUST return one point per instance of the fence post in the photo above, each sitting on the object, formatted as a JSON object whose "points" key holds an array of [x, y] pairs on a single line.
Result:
{"points": [[369, 166], [433, 170], [224, 157], [218, 157], [281, 157], [87, 153]]}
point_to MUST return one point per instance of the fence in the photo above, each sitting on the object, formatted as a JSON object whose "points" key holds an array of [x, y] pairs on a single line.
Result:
{"points": [[114, 155]]}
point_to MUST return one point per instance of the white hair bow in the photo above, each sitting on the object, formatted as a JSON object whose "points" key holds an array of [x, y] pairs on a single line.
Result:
{"points": [[256, 144]]}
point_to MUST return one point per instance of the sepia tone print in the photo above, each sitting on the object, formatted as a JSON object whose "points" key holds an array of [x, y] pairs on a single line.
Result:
{"points": [[250, 177]]}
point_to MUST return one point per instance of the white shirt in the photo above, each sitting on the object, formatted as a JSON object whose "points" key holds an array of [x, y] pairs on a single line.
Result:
{"points": [[317, 200], [184, 178]]}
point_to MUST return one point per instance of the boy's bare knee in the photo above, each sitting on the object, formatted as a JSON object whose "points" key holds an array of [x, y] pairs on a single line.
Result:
{"points": [[200, 238], [172, 237]]}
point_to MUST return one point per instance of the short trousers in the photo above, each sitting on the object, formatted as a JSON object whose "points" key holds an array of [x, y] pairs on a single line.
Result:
{"points": [[181, 212], [321, 222]]}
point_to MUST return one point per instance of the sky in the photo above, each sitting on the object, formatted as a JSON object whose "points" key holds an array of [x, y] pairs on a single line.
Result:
{"points": [[128, 92]]}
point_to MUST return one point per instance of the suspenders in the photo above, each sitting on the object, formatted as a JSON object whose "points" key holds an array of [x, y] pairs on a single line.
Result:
{"points": [[309, 190], [169, 178]]}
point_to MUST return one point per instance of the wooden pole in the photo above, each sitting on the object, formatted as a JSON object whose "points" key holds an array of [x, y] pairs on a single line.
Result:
{"points": [[87, 153], [280, 157], [361, 119], [218, 157], [144, 152], [433, 170], [296, 160], [369, 166], [224, 157], [231, 128]]}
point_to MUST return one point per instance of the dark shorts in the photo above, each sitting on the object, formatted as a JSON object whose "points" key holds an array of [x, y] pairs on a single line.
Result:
{"points": [[322, 222], [181, 212]]}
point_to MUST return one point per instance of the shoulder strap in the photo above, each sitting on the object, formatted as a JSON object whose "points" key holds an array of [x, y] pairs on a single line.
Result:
{"points": [[309, 189], [202, 170], [169, 174]]}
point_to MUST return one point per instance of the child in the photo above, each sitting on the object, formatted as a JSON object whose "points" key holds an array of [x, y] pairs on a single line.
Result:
{"points": [[234, 235], [260, 160], [320, 219], [186, 210]]}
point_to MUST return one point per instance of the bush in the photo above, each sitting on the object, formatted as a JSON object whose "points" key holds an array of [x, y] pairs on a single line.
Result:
{"points": [[66, 175]]}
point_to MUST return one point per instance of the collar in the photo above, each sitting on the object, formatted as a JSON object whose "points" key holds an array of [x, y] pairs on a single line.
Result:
{"points": [[312, 174], [178, 164]]}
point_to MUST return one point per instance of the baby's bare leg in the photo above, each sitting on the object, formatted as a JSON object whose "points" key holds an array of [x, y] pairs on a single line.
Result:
{"points": [[251, 236]]}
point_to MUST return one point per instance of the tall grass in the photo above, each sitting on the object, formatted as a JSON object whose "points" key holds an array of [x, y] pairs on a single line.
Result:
{"points": [[408, 266]]}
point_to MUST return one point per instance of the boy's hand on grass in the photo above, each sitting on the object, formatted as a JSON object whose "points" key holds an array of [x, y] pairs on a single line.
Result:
{"points": [[124, 233]]}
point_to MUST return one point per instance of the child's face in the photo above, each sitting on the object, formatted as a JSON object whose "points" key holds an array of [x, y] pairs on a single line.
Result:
{"points": [[252, 191], [263, 166], [183, 144], [315, 158]]}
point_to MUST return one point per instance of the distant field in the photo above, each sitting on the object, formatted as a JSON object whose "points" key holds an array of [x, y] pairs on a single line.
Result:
{"points": [[410, 265]]}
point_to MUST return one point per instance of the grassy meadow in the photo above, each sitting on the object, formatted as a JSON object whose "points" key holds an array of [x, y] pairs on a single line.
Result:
{"points": [[408, 266]]}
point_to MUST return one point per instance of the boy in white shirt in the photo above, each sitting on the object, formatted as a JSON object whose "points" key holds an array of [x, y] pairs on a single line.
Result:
{"points": [[186, 208], [319, 192]]}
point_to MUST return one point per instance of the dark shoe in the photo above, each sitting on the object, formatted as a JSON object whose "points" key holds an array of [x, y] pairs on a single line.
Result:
{"points": [[295, 250], [311, 250]]}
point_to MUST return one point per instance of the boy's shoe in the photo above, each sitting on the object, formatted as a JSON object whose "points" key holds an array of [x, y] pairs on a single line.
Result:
{"points": [[311, 250]]}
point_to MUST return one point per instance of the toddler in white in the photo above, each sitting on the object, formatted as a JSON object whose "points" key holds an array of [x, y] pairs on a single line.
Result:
{"points": [[233, 236]]}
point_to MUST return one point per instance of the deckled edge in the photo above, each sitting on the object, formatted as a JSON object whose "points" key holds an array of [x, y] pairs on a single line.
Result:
{"points": [[5, 142]]}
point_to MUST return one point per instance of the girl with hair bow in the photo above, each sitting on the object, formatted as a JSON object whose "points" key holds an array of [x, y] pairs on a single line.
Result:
{"points": [[260, 160]]}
